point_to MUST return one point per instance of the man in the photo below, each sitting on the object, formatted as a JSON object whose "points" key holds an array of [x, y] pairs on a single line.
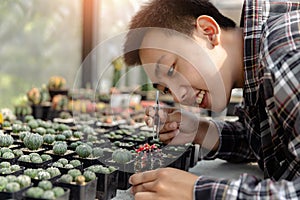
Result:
{"points": [[200, 67]]}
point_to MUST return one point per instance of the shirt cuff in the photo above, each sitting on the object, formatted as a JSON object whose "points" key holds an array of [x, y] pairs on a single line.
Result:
{"points": [[210, 155], [210, 188]]}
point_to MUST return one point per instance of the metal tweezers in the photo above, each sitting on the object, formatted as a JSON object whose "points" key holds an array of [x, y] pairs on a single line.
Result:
{"points": [[156, 124]]}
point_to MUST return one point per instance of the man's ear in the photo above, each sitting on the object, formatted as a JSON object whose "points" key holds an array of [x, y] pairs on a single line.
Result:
{"points": [[208, 27]]}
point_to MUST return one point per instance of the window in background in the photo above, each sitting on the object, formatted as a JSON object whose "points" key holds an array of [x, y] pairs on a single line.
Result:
{"points": [[38, 39], [110, 27]]}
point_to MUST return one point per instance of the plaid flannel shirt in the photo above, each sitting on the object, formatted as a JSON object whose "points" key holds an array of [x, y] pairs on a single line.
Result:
{"points": [[268, 130]]}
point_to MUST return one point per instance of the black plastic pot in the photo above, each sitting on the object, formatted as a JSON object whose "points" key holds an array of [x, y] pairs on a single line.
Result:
{"points": [[27, 151], [80, 192], [16, 173], [43, 165], [65, 196], [13, 195], [90, 161], [68, 155], [52, 180], [107, 185]]}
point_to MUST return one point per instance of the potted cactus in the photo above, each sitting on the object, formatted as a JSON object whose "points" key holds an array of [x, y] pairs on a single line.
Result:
{"points": [[33, 143], [39, 174], [12, 187], [34, 160], [107, 181], [10, 169], [122, 159], [45, 190], [39, 101], [64, 165], [82, 186], [56, 85], [9, 155], [60, 150], [6, 140]]}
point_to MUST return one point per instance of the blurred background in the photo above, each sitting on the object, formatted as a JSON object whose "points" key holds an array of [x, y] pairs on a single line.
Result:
{"points": [[43, 38]]}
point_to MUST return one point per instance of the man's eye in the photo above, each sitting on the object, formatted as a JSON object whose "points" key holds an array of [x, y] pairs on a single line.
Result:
{"points": [[165, 91], [171, 70]]}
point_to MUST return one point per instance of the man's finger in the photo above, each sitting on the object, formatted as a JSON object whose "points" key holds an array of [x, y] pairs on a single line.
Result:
{"points": [[145, 196], [143, 177], [144, 187], [168, 136]]}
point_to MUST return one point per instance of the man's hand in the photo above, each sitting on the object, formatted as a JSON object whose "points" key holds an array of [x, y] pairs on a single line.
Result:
{"points": [[180, 127], [164, 183], [177, 126]]}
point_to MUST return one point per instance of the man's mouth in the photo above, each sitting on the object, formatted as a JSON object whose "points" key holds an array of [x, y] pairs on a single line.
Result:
{"points": [[200, 97]]}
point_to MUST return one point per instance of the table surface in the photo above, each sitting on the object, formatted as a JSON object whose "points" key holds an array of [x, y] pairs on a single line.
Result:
{"points": [[212, 168]]}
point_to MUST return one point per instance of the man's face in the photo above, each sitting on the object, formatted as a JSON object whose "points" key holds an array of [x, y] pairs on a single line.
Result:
{"points": [[185, 68]]}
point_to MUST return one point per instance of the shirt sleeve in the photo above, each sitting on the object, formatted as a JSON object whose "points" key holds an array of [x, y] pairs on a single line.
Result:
{"points": [[234, 143], [246, 187]]}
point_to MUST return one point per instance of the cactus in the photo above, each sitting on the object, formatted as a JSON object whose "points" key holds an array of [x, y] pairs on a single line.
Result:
{"points": [[80, 180], [34, 192], [34, 96], [48, 138], [33, 141], [48, 194], [12, 187], [6, 140], [66, 178], [58, 191], [45, 185], [24, 181], [121, 156], [84, 150], [89, 176], [60, 148], [74, 173], [56, 83]]}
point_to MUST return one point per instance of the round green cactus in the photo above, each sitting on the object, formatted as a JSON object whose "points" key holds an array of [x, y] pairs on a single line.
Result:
{"points": [[33, 141], [4, 164], [40, 130], [66, 178], [45, 185], [84, 150], [33, 124], [25, 158], [75, 163], [57, 164], [43, 175], [6, 140], [67, 133], [16, 128], [53, 171], [11, 178], [8, 155], [15, 168], [58, 191], [89, 175], [60, 148], [77, 134], [3, 183], [48, 138], [17, 152], [49, 194], [60, 137], [12, 187], [98, 152], [32, 173], [24, 181], [36, 159], [121, 156], [63, 161], [45, 157], [35, 192], [50, 131], [74, 173]]}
